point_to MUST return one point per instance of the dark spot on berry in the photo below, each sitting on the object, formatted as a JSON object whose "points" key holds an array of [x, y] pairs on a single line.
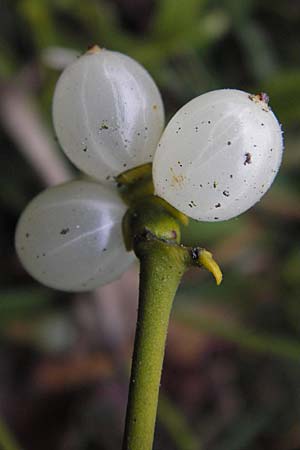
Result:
{"points": [[65, 231], [247, 159], [229, 143]]}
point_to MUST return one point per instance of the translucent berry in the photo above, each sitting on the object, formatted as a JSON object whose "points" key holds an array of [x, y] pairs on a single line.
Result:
{"points": [[218, 155], [108, 113], [69, 237]]}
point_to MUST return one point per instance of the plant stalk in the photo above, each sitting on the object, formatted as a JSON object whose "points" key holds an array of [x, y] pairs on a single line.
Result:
{"points": [[161, 268]]}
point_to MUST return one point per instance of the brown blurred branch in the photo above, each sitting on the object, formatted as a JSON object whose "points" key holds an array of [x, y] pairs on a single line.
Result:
{"points": [[22, 121]]}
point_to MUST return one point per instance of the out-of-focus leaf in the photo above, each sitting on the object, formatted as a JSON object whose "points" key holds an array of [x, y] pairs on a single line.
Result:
{"points": [[7, 62], [38, 16], [291, 157], [7, 440], [17, 303], [245, 430], [258, 53], [207, 233], [284, 91], [282, 201], [279, 347], [291, 267], [174, 421], [173, 17]]}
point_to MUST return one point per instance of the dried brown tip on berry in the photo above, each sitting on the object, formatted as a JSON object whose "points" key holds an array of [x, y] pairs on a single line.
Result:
{"points": [[261, 99], [92, 49]]}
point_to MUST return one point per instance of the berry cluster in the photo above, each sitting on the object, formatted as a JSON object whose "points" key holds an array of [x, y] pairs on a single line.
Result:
{"points": [[217, 156]]}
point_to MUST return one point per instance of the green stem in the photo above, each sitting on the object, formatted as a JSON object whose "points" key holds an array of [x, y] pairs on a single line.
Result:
{"points": [[161, 268]]}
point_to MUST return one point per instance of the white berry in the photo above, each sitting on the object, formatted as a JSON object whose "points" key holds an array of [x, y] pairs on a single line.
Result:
{"points": [[218, 155], [108, 113], [69, 237]]}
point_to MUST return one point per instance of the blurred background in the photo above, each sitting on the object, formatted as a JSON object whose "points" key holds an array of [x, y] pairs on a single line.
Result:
{"points": [[231, 376]]}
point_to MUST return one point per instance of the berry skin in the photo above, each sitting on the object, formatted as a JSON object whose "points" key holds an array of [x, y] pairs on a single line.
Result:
{"points": [[108, 114], [69, 237], [218, 155]]}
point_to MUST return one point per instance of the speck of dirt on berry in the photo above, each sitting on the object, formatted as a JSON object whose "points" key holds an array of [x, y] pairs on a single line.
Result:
{"points": [[103, 126], [247, 158], [65, 231]]}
